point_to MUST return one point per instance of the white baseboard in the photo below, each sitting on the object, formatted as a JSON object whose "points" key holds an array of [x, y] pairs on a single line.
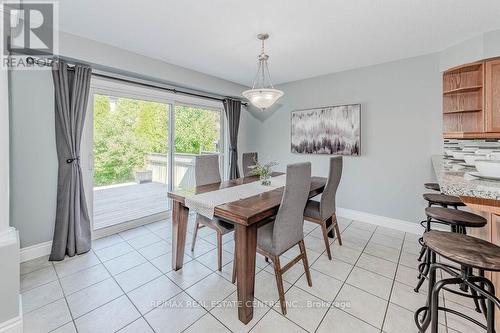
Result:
{"points": [[43, 249], [14, 325], [36, 251], [389, 222]]}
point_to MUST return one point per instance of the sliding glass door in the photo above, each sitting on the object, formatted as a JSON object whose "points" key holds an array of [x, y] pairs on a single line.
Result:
{"points": [[138, 144], [198, 130], [130, 159]]}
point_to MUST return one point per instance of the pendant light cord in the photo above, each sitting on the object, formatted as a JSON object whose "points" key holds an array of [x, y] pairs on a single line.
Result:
{"points": [[262, 70]]}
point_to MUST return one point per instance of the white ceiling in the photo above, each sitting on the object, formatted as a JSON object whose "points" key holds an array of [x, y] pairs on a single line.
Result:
{"points": [[308, 37]]}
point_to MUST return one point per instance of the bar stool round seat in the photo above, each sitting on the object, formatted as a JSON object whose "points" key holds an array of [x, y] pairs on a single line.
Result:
{"points": [[465, 250], [469, 253], [443, 199], [432, 186], [456, 217]]}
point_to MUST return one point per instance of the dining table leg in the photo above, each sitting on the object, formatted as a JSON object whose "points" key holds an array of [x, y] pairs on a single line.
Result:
{"points": [[180, 215], [246, 250], [328, 224]]}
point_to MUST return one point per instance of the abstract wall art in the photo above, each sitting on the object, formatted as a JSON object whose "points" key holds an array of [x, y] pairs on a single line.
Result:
{"points": [[333, 130]]}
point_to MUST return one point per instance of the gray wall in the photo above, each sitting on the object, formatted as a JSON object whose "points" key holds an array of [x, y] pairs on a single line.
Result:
{"points": [[484, 46], [33, 158], [33, 175], [400, 129]]}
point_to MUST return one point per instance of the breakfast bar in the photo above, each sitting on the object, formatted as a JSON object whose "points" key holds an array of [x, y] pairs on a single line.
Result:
{"points": [[481, 197]]}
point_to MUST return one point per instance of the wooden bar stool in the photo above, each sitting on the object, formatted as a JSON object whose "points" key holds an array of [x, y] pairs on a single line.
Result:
{"points": [[435, 199], [443, 200], [458, 220], [432, 186], [471, 253]]}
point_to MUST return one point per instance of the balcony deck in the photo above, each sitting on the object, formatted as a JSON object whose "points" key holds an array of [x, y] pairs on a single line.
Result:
{"points": [[126, 202]]}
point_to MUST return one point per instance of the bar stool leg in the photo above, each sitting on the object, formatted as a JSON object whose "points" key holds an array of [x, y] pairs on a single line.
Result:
{"points": [[426, 314], [435, 306], [490, 305], [490, 317], [421, 255], [424, 267], [475, 298], [482, 302]]}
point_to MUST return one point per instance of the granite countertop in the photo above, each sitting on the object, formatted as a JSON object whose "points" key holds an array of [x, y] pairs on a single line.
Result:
{"points": [[455, 180]]}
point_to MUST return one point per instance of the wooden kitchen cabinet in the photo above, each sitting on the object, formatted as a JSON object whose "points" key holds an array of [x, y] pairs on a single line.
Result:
{"points": [[471, 101], [492, 95], [490, 209]]}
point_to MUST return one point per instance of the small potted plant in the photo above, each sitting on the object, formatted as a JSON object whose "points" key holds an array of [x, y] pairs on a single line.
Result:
{"points": [[263, 171]]}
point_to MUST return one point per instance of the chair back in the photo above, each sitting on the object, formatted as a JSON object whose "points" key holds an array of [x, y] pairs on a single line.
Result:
{"points": [[289, 223], [206, 169], [249, 159], [327, 205]]}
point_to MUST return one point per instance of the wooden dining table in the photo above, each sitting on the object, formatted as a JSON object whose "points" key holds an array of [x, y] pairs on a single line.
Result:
{"points": [[246, 215]]}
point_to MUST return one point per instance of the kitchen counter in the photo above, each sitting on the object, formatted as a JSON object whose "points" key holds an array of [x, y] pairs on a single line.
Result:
{"points": [[455, 180]]}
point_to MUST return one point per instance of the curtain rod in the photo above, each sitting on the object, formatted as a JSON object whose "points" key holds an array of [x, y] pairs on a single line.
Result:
{"points": [[48, 62]]}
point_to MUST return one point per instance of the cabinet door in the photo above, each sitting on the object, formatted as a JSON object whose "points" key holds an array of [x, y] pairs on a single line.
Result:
{"points": [[492, 96]]}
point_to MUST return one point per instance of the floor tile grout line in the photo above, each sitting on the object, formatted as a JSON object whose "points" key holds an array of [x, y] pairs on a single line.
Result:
{"points": [[79, 271], [37, 269], [126, 295], [260, 270], [288, 289], [392, 285], [310, 266], [290, 320], [66, 300], [206, 314], [108, 246], [270, 308], [344, 282], [37, 286]]}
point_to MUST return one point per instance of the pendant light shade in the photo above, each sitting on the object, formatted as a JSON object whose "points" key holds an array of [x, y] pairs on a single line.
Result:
{"points": [[263, 95], [263, 98]]}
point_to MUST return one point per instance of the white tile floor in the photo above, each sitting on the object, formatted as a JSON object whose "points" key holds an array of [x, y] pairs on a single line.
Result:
{"points": [[126, 284]]}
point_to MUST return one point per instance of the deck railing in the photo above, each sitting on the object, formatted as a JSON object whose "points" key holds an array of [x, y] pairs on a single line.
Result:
{"points": [[183, 168]]}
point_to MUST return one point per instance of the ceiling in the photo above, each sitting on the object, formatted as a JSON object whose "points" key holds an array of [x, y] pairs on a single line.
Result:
{"points": [[308, 37]]}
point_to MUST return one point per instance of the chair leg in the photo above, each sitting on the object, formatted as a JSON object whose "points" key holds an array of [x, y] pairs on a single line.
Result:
{"points": [[195, 233], [326, 240], [305, 262], [219, 251], [233, 278], [279, 282], [337, 229]]}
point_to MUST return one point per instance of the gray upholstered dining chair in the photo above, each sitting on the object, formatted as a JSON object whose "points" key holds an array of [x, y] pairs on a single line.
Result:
{"points": [[206, 171], [249, 159], [287, 229], [319, 212]]}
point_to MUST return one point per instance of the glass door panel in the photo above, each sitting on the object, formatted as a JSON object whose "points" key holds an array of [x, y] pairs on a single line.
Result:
{"points": [[197, 130], [130, 155]]}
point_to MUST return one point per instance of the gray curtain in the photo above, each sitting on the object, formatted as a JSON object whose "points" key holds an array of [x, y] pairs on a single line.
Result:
{"points": [[72, 225], [233, 110]]}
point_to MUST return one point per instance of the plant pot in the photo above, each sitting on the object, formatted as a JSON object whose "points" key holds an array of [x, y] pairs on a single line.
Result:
{"points": [[265, 180], [145, 176]]}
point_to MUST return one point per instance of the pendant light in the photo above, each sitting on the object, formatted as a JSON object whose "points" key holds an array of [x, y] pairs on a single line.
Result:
{"points": [[262, 95]]}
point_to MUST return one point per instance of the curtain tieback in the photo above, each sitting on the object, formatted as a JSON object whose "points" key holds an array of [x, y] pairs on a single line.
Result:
{"points": [[71, 160], [232, 149]]}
